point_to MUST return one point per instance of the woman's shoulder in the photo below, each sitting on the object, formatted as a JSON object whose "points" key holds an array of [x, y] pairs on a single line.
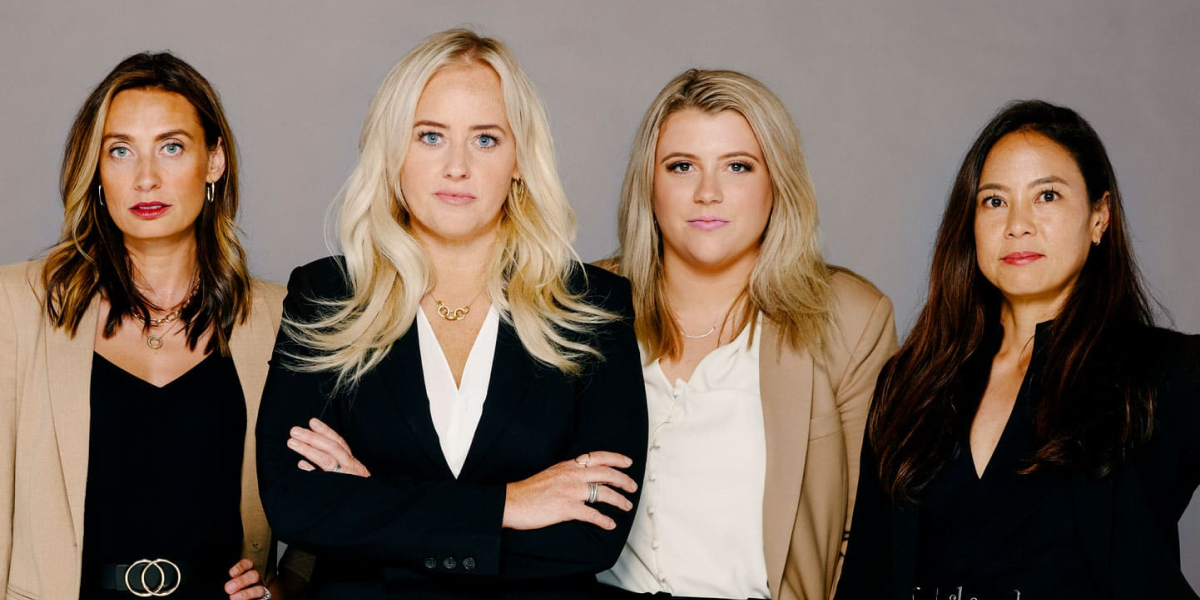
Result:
{"points": [[857, 302], [324, 278], [600, 287], [22, 281]]}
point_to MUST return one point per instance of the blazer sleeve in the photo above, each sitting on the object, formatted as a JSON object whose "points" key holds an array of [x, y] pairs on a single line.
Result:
{"points": [[8, 425], [867, 569], [390, 520], [611, 400], [400, 520], [876, 344]]}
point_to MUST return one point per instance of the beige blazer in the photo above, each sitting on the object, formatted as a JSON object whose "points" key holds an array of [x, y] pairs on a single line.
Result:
{"points": [[815, 411], [44, 424]]}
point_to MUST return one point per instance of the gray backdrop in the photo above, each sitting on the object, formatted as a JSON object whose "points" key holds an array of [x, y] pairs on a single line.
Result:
{"points": [[887, 95]]}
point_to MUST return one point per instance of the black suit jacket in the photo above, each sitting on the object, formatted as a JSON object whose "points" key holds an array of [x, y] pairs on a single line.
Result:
{"points": [[412, 528], [1128, 521]]}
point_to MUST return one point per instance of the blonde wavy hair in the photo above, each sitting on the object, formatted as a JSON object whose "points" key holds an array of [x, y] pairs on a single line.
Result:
{"points": [[388, 269], [790, 282]]}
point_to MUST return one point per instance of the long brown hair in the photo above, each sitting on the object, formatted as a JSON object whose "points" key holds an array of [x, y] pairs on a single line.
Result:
{"points": [[90, 256], [1094, 407]]}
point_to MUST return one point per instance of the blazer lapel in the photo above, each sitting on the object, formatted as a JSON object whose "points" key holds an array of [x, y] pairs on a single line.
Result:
{"points": [[785, 381], [405, 379], [69, 370], [511, 372]]}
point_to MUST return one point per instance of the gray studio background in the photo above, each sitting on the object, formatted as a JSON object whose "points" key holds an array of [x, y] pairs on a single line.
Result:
{"points": [[887, 95]]}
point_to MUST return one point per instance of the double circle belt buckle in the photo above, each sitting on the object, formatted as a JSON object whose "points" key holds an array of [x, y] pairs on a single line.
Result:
{"points": [[148, 589]]}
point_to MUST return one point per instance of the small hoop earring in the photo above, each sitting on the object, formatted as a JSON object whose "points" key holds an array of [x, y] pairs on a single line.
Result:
{"points": [[208, 191], [100, 193]]}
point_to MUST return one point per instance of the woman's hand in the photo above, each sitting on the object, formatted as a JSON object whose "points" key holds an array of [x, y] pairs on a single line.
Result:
{"points": [[323, 447], [243, 584], [561, 492]]}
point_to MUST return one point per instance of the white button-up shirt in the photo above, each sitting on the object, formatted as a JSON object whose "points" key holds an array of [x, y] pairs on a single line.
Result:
{"points": [[698, 528], [456, 409]]}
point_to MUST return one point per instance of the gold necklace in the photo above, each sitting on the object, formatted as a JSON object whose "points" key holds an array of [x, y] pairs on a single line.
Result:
{"points": [[456, 314], [154, 340]]}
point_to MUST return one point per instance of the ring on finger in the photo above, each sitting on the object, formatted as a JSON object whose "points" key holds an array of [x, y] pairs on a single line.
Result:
{"points": [[583, 459], [337, 468], [593, 493], [266, 594]]}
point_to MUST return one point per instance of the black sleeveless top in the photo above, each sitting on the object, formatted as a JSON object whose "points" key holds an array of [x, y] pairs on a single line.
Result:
{"points": [[164, 475]]}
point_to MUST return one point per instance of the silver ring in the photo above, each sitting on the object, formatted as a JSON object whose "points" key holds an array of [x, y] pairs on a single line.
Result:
{"points": [[337, 468], [593, 493], [266, 593]]}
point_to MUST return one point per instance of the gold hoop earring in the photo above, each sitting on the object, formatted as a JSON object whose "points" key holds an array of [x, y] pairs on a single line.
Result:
{"points": [[208, 191], [100, 193]]}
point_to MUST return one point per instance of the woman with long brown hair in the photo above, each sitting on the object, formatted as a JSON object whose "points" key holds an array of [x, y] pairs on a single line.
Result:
{"points": [[1036, 436], [135, 354]]}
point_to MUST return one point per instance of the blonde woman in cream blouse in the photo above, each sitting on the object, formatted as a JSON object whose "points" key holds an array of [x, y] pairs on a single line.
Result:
{"points": [[759, 359]]}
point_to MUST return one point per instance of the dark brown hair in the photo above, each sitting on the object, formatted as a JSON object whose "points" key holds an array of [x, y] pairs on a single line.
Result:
{"points": [[90, 256], [1093, 407]]}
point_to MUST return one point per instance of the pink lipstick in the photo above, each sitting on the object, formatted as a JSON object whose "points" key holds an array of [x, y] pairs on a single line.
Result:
{"points": [[149, 210], [1021, 258], [453, 197], [707, 223]]}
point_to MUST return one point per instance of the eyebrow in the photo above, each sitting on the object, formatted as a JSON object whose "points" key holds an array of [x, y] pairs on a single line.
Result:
{"points": [[1032, 184], [737, 154], [162, 136], [427, 123]]}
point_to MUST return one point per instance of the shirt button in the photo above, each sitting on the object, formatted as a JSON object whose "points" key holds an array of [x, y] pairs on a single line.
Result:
{"points": [[654, 477], [657, 444], [431, 563], [662, 578], [449, 563], [654, 544], [650, 509], [469, 563]]}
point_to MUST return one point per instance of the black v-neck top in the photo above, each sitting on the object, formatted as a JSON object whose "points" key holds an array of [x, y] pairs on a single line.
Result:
{"points": [[1004, 530], [164, 473]]}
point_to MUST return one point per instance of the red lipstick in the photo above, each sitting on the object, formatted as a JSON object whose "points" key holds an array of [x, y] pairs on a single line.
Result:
{"points": [[149, 210], [1021, 258]]}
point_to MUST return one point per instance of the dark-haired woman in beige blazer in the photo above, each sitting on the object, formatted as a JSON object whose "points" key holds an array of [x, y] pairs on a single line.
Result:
{"points": [[132, 360]]}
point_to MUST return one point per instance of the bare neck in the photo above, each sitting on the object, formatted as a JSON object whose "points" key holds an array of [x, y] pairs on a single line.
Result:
{"points": [[164, 272], [458, 266], [1019, 320], [696, 294]]}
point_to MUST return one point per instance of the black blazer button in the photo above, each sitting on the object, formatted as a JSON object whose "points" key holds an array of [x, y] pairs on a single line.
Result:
{"points": [[449, 563], [431, 563], [468, 563]]}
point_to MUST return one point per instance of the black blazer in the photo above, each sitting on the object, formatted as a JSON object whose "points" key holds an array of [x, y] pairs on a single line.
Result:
{"points": [[1128, 521], [412, 528]]}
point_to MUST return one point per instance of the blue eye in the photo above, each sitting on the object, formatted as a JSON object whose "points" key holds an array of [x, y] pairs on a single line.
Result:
{"points": [[681, 167], [173, 148], [430, 137], [487, 141], [119, 152]]}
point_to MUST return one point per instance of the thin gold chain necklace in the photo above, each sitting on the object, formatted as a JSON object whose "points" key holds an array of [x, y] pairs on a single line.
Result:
{"points": [[154, 340]]}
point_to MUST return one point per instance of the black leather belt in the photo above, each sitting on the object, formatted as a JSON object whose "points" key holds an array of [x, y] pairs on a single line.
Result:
{"points": [[153, 577], [960, 592]]}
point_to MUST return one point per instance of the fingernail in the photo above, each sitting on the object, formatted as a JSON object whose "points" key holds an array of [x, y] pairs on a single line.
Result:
{"points": [[295, 431], [293, 443], [635, 486], [230, 588], [612, 524], [629, 462], [628, 506]]}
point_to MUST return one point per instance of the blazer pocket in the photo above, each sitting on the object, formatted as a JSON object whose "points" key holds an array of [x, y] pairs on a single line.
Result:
{"points": [[824, 426], [15, 593]]}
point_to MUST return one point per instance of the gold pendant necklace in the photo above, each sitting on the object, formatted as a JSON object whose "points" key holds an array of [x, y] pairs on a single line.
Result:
{"points": [[154, 340], [456, 314]]}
